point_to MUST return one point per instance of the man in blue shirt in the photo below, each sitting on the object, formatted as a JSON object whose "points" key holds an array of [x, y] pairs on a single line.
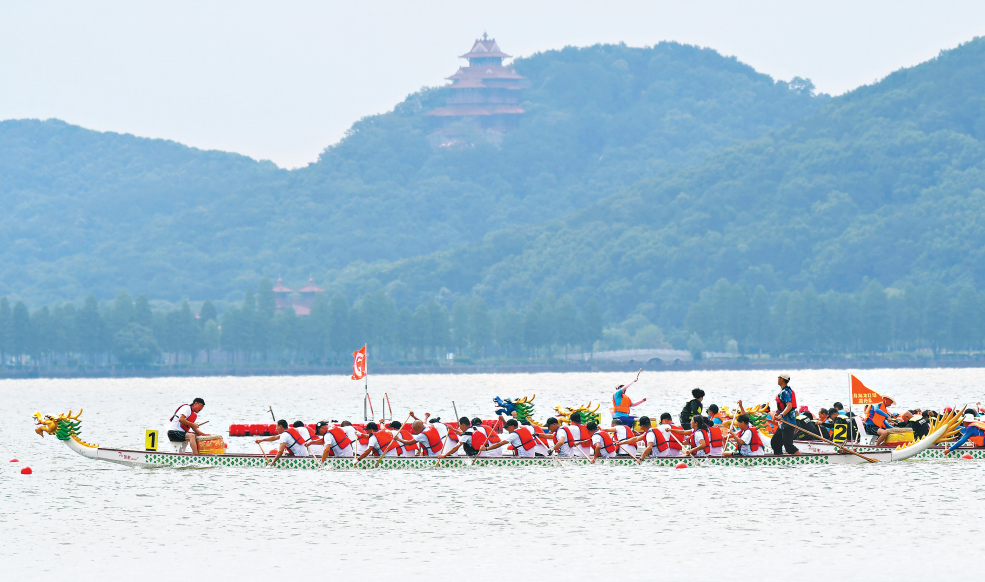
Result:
{"points": [[972, 431], [786, 409]]}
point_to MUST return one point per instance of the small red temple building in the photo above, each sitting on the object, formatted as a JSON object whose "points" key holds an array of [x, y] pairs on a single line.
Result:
{"points": [[486, 89], [300, 305]]}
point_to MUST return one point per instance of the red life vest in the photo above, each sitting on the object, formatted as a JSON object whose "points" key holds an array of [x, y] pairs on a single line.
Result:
{"points": [[527, 440], [672, 441], [661, 443], [780, 405], [479, 437], [298, 439], [342, 440], [716, 437], [190, 418], [755, 443], [406, 450], [694, 442], [384, 440], [608, 445], [435, 443]]}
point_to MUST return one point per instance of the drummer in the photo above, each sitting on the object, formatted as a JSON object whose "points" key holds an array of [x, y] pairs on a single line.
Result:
{"points": [[879, 420], [183, 426]]}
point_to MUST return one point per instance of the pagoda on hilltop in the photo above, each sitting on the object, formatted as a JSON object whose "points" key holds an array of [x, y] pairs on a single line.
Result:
{"points": [[299, 300], [486, 90]]}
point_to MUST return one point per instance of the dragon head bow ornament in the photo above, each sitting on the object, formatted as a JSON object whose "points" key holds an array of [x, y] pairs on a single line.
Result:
{"points": [[64, 426]]}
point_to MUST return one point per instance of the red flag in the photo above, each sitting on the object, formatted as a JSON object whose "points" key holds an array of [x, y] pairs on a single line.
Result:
{"points": [[863, 395], [359, 364]]}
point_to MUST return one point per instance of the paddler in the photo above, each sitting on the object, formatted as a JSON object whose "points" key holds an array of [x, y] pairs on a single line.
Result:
{"points": [[183, 425], [520, 437], [786, 409], [621, 403], [380, 443], [602, 443], [973, 431], [693, 406], [550, 436], [465, 433], [747, 440], [572, 436], [336, 440], [878, 420], [654, 440], [290, 440], [621, 432], [700, 440], [431, 439]]}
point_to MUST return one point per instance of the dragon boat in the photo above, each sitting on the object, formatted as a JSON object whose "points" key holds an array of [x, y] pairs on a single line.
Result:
{"points": [[67, 428]]}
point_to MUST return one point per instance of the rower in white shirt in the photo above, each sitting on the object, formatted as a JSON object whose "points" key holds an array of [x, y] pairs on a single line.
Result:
{"points": [[289, 438], [521, 438]]}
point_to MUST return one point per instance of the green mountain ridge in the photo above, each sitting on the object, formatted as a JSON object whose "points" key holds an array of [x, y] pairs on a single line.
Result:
{"points": [[884, 183], [99, 212]]}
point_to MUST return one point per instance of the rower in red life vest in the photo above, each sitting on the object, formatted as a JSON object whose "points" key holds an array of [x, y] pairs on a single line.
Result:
{"points": [[548, 437], [465, 433], [336, 440], [520, 437], [747, 441], [700, 439], [621, 432], [380, 443], [655, 443], [183, 426], [622, 405], [482, 435], [573, 440], [290, 440], [716, 439], [603, 444], [431, 439], [674, 434]]}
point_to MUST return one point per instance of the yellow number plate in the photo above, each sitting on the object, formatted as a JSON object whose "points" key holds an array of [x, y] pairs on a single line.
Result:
{"points": [[150, 440]]}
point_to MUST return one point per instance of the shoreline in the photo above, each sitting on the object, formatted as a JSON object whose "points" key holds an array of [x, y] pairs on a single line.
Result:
{"points": [[10, 373]]}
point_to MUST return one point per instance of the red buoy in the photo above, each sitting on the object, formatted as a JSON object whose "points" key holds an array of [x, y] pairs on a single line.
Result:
{"points": [[14, 461], [26, 471], [967, 456], [681, 465]]}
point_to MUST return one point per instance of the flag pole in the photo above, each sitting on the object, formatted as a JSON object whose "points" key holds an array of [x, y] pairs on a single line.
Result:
{"points": [[366, 379]]}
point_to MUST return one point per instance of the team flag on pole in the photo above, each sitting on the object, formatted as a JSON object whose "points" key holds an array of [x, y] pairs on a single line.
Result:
{"points": [[359, 364], [862, 395]]}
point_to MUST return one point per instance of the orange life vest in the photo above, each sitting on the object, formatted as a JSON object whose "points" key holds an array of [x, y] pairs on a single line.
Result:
{"points": [[527, 440], [978, 441], [694, 442], [623, 406], [190, 418], [877, 419], [342, 440]]}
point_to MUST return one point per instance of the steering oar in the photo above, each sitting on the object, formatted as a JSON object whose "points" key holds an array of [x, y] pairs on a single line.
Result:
{"points": [[836, 445]]}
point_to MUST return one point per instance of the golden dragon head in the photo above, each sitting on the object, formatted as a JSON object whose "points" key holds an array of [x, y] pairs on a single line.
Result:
{"points": [[57, 425]]}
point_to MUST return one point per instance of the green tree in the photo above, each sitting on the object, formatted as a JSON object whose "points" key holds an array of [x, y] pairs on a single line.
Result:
{"points": [[509, 330], [534, 334], [440, 327], [210, 338], [874, 321], [6, 331], [460, 325], [90, 329], [339, 332], [421, 330], [20, 331], [966, 319], [937, 317], [42, 335], [593, 324], [208, 312], [120, 313], [480, 326], [759, 319], [142, 313], [405, 330], [569, 325], [134, 345]]}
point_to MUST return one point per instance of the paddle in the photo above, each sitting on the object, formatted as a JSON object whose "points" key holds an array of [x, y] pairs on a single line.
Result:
{"points": [[264, 454], [836, 445], [389, 447], [731, 425]]}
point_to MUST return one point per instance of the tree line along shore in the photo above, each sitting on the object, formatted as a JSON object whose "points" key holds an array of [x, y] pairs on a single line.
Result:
{"points": [[893, 326]]}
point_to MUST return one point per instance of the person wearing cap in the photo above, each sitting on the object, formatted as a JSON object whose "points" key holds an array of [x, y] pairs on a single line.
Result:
{"points": [[336, 440], [973, 431], [786, 411], [380, 443], [549, 437], [622, 404], [878, 420]]}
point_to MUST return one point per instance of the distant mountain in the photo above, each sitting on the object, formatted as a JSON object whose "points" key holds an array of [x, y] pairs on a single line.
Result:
{"points": [[99, 212], [886, 183]]}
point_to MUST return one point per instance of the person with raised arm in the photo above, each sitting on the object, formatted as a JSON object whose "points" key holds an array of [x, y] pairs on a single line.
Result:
{"points": [[183, 426], [622, 405]]}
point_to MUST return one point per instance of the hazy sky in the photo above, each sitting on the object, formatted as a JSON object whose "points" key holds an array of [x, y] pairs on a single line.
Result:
{"points": [[283, 80]]}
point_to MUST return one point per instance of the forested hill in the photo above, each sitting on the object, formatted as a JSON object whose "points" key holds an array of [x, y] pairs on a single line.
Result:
{"points": [[885, 183], [99, 212]]}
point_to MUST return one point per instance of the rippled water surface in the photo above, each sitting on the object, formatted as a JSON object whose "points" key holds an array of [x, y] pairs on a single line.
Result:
{"points": [[82, 519]]}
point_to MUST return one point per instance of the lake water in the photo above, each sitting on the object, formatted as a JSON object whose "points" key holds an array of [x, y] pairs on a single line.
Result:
{"points": [[87, 520]]}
